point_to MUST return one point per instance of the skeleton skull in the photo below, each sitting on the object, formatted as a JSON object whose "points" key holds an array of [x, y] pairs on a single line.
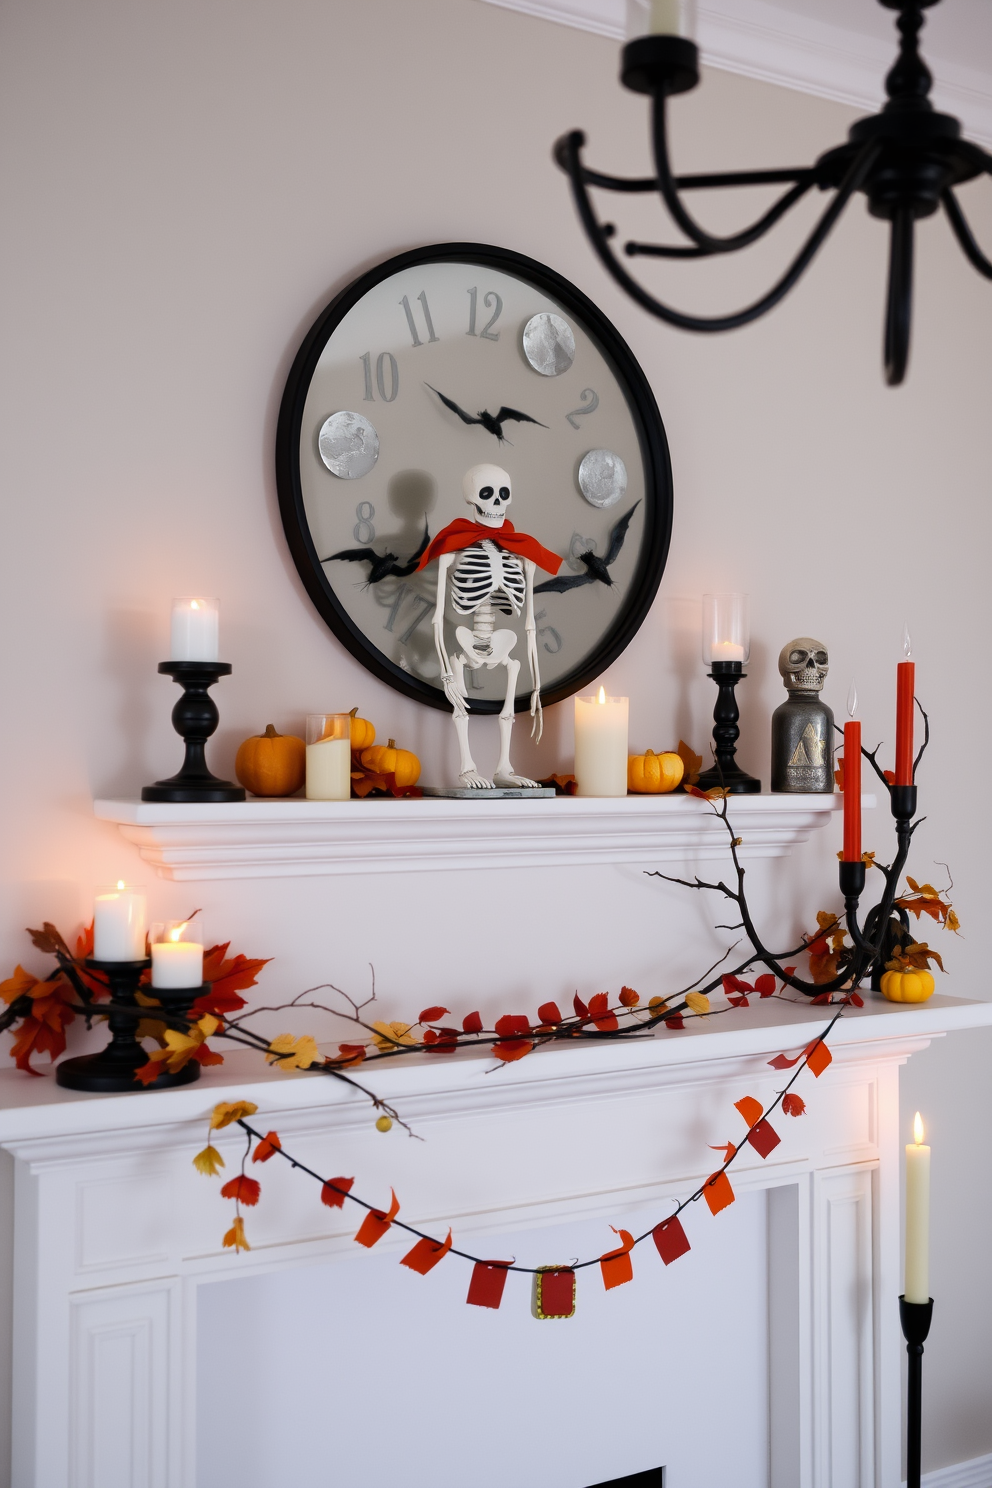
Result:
{"points": [[804, 664], [487, 489]]}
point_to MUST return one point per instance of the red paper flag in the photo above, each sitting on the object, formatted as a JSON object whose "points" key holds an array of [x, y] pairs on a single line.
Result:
{"points": [[616, 1265], [763, 1138], [488, 1280], [782, 1062], [333, 1192], [669, 1237], [750, 1109], [425, 1254], [554, 1293], [375, 1224], [718, 1192], [818, 1057]]}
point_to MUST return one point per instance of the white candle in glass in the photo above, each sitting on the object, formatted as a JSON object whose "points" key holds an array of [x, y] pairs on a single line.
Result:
{"points": [[119, 924], [176, 962], [917, 1283], [661, 18], [195, 632], [328, 757], [726, 651], [601, 745]]}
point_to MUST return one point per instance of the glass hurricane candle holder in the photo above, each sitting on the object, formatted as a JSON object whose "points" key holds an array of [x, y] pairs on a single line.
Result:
{"points": [[177, 954], [328, 756], [661, 18]]}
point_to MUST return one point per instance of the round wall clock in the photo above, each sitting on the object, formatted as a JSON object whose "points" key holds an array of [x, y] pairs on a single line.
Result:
{"points": [[437, 361]]}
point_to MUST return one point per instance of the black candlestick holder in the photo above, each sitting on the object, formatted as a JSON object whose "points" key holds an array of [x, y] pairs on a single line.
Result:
{"points": [[194, 719], [726, 772], [113, 1067], [915, 1318]]}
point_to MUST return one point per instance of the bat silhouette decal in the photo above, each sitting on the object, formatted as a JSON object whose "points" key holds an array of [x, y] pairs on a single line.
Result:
{"points": [[597, 569], [384, 565], [491, 422]]}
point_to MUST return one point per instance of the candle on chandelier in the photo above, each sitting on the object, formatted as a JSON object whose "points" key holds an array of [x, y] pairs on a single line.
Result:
{"points": [[601, 745], [661, 18], [195, 633], [119, 920], [916, 1287], [905, 703], [176, 961], [852, 781]]}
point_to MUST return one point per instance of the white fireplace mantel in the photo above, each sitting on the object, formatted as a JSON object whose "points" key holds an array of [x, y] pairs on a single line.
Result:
{"points": [[293, 838], [115, 1233]]}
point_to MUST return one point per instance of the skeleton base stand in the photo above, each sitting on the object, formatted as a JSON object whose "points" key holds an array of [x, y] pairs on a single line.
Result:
{"points": [[486, 579]]}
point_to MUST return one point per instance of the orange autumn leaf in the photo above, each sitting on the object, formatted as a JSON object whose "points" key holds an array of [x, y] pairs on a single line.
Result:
{"points": [[267, 1147], [433, 1014], [228, 978], [205, 1056], [718, 1193], [334, 1192], [236, 1235], [692, 764], [628, 997], [472, 1023], [549, 1012], [750, 1109], [18, 985], [348, 1054], [793, 1105], [147, 1074], [512, 1025], [244, 1190], [510, 1049], [599, 1011]]}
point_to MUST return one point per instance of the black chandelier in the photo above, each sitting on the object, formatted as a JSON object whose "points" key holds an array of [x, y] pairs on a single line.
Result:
{"points": [[906, 159]]}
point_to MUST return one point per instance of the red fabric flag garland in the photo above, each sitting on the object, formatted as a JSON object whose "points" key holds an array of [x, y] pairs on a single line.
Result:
{"points": [[333, 1192], [375, 1224], [718, 1192], [488, 1280], [616, 1265], [425, 1254], [763, 1138], [670, 1238]]}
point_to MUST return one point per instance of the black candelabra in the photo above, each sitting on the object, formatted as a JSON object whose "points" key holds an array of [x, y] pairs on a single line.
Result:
{"points": [[725, 771], [194, 719], [915, 1318], [113, 1067]]}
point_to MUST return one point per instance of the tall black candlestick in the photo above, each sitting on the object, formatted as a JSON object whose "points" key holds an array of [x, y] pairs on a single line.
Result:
{"points": [[915, 1318], [194, 719], [726, 771]]}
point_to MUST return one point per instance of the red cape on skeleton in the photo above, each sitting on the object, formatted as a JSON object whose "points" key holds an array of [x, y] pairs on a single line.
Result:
{"points": [[462, 534]]}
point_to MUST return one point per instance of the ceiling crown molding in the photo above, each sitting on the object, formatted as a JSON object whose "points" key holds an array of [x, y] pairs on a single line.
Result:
{"points": [[777, 45]]}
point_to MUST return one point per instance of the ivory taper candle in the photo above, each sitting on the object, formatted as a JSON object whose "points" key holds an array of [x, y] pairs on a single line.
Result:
{"points": [[916, 1287], [601, 745]]}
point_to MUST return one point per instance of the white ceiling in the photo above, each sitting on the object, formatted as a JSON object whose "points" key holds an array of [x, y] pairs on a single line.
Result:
{"points": [[835, 48]]}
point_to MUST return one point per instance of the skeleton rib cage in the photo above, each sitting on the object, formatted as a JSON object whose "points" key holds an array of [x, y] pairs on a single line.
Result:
{"points": [[485, 572]]}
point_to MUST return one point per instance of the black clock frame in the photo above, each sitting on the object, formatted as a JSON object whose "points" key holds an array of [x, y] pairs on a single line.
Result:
{"points": [[651, 436]]}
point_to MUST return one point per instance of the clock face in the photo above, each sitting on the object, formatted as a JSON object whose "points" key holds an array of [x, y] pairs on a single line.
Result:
{"points": [[437, 361]]}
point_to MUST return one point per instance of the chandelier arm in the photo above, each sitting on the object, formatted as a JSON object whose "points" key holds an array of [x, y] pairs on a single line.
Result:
{"points": [[964, 234], [684, 183], [668, 187], [899, 303], [773, 215], [599, 238]]}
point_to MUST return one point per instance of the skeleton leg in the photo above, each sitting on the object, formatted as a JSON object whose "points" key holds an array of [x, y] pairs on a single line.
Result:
{"points": [[504, 770], [468, 775]]}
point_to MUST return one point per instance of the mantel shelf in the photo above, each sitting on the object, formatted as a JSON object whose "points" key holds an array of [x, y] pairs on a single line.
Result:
{"points": [[294, 838]]}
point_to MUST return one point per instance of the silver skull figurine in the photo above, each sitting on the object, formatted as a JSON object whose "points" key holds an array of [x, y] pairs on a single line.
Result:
{"points": [[803, 726]]}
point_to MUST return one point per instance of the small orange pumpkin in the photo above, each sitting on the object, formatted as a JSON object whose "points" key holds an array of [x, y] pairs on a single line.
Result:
{"points": [[272, 764], [386, 759], [362, 732], [654, 774], [907, 986]]}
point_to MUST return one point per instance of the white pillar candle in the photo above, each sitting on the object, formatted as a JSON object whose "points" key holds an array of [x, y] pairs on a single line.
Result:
{"points": [[195, 630], [329, 770], [670, 18], [601, 745], [726, 651], [177, 963], [917, 1283], [119, 924]]}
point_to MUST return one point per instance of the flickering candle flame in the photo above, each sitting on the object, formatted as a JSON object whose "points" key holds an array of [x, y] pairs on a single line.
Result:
{"points": [[194, 604], [918, 1129], [602, 695], [907, 642], [176, 933], [120, 884], [852, 700]]}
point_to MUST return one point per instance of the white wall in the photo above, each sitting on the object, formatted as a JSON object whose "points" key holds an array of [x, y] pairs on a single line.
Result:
{"points": [[184, 185]]}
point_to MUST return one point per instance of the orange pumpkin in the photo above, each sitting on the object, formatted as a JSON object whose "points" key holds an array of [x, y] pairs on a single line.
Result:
{"points": [[386, 759], [362, 732], [654, 774], [272, 764]]}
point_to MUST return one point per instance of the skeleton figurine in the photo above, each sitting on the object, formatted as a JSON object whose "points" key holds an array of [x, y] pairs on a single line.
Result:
{"points": [[803, 727], [492, 570]]}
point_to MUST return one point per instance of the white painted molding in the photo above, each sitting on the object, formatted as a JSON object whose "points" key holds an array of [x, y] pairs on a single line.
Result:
{"points": [[977, 1473], [777, 45], [297, 838]]}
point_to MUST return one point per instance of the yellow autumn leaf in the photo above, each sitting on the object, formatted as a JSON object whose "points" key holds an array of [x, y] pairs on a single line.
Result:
{"points": [[391, 1034], [152, 1028], [181, 1043], [292, 1053], [951, 921], [208, 1162], [657, 1002], [698, 1001], [228, 1111], [208, 1024], [236, 1235]]}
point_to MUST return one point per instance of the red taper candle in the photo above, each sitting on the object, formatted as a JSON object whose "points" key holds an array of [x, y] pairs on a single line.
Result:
{"points": [[905, 699], [852, 792]]}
